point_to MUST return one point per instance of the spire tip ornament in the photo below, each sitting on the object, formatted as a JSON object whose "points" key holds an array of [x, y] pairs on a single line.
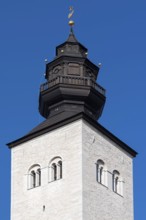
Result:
{"points": [[71, 22]]}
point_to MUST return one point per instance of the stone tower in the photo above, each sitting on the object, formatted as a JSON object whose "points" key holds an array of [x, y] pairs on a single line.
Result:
{"points": [[70, 167]]}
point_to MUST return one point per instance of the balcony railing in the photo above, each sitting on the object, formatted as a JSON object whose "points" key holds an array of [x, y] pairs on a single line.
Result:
{"points": [[72, 80]]}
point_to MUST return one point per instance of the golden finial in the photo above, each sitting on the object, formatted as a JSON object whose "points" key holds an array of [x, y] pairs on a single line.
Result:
{"points": [[71, 22]]}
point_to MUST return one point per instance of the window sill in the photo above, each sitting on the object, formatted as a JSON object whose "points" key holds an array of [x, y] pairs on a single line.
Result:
{"points": [[118, 194], [33, 187], [55, 180], [102, 185]]}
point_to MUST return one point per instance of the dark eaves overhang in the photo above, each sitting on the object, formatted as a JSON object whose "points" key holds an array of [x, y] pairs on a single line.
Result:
{"points": [[42, 130], [71, 43]]}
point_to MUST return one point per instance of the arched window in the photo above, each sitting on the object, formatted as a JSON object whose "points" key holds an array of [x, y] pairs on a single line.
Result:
{"points": [[32, 179], [60, 169], [34, 176], [54, 172], [117, 183], [101, 172], [55, 169], [38, 177]]}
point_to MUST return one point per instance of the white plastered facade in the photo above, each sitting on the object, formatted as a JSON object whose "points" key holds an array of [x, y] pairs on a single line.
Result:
{"points": [[77, 195]]}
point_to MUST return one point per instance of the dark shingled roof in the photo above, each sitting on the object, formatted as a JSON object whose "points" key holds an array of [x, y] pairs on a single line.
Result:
{"points": [[51, 124]]}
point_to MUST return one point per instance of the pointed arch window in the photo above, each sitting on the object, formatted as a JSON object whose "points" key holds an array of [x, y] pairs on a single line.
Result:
{"points": [[34, 176], [55, 169]]}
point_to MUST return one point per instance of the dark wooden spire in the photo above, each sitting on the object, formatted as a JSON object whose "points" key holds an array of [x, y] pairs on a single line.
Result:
{"points": [[71, 86]]}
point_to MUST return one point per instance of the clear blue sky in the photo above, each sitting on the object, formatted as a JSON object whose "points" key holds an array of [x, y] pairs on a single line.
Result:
{"points": [[115, 34]]}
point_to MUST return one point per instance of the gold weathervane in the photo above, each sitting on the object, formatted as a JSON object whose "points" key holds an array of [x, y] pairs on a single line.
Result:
{"points": [[71, 22]]}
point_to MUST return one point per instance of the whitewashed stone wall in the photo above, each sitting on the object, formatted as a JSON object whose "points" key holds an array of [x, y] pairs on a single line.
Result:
{"points": [[77, 195], [100, 202], [63, 198]]}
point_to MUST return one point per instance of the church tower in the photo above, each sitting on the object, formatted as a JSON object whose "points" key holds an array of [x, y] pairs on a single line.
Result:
{"points": [[69, 166]]}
